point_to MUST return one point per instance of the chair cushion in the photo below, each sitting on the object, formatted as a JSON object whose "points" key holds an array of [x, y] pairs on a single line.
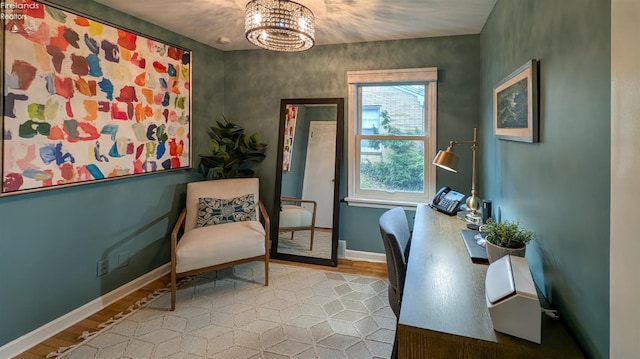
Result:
{"points": [[207, 246], [222, 188], [212, 211], [295, 216]]}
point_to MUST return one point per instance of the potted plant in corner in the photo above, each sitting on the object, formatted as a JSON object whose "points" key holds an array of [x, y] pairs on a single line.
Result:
{"points": [[233, 152], [504, 238]]}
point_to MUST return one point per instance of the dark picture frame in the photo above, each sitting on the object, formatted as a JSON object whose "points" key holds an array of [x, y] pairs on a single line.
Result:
{"points": [[515, 105], [303, 105], [86, 101]]}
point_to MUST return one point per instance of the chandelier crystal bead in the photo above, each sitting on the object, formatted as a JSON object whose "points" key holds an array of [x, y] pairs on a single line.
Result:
{"points": [[279, 25]]}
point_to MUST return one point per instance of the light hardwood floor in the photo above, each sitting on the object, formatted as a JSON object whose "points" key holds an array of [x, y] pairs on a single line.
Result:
{"points": [[70, 335]]}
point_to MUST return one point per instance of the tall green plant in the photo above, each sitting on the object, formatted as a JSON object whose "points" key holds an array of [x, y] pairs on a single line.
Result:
{"points": [[233, 153]]}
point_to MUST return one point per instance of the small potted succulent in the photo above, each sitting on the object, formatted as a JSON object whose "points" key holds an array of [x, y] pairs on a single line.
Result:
{"points": [[504, 238]]}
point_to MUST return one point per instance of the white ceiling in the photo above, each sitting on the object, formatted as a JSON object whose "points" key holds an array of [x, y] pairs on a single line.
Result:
{"points": [[337, 21]]}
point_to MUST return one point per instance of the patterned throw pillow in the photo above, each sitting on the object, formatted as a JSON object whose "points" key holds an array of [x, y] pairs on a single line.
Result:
{"points": [[212, 211]]}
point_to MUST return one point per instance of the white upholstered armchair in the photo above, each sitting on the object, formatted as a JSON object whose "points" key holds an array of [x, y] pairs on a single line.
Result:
{"points": [[295, 217], [225, 224]]}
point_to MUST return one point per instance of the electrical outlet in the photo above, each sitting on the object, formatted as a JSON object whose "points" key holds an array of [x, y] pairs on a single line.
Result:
{"points": [[123, 259], [103, 267]]}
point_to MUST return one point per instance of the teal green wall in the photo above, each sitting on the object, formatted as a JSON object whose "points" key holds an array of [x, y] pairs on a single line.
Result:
{"points": [[256, 80], [559, 188], [50, 241]]}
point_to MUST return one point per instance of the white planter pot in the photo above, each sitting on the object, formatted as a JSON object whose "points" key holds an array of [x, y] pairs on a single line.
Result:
{"points": [[496, 252]]}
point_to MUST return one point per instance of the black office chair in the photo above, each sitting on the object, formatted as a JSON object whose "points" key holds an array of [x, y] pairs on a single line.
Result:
{"points": [[396, 237]]}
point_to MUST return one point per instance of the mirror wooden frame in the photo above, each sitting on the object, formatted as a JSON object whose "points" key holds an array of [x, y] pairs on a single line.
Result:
{"points": [[333, 261]]}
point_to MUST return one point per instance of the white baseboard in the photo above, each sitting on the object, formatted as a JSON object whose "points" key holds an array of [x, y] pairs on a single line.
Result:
{"points": [[25, 342], [342, 248], [365, 256]]}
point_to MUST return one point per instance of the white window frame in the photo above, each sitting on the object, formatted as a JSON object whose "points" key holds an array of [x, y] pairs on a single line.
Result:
{"points": [[356, 79]]}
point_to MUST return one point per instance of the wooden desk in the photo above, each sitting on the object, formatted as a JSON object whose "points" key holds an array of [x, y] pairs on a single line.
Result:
{"points": [[444, 313]]}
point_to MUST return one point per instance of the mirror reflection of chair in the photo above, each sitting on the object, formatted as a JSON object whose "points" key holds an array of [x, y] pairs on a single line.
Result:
{"points": [[296, 217], [224, 224], [396, 236]]}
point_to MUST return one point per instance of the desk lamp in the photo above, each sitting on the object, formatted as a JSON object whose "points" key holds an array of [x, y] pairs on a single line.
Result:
{"points": [[448, 160]]}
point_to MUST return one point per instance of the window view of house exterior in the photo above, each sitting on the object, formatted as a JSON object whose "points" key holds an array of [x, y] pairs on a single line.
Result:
{"points": [[392, 121], [391, 138]]}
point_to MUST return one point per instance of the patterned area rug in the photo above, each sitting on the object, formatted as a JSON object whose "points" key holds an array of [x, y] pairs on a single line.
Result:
{"points": [[299, 245], [303, 313]]}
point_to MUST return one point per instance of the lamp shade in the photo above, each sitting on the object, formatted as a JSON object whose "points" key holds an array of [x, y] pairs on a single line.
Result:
{"points": [[446, 159]]}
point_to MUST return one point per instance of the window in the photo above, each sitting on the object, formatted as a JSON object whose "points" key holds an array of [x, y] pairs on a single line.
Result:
{"points": [[391, 136], [370, 124]]}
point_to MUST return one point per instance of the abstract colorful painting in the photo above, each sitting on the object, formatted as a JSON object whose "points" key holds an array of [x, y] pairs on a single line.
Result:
{"points": [[84, 101], [291, 116]]}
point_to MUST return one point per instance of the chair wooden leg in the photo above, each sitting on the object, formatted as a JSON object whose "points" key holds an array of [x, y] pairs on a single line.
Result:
{"points": [[173, 291], [266, 270], [311, 244]]}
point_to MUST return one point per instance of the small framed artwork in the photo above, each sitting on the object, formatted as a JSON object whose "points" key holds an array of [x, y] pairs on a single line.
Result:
{"points": [[515, 105], [86, 101]]}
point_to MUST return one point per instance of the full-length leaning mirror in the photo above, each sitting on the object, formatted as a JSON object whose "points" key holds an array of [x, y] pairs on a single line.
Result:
{"points": [[307, 181]]}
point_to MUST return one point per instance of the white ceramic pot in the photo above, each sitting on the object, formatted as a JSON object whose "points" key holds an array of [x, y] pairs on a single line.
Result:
{"points": [[496, 252]]}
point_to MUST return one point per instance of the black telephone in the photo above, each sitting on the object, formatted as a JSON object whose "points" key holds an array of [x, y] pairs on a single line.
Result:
{"points": [[447, 201]]}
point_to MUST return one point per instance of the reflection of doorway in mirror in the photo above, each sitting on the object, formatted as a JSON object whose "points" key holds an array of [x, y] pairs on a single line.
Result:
{"points": [[319, 170]]}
